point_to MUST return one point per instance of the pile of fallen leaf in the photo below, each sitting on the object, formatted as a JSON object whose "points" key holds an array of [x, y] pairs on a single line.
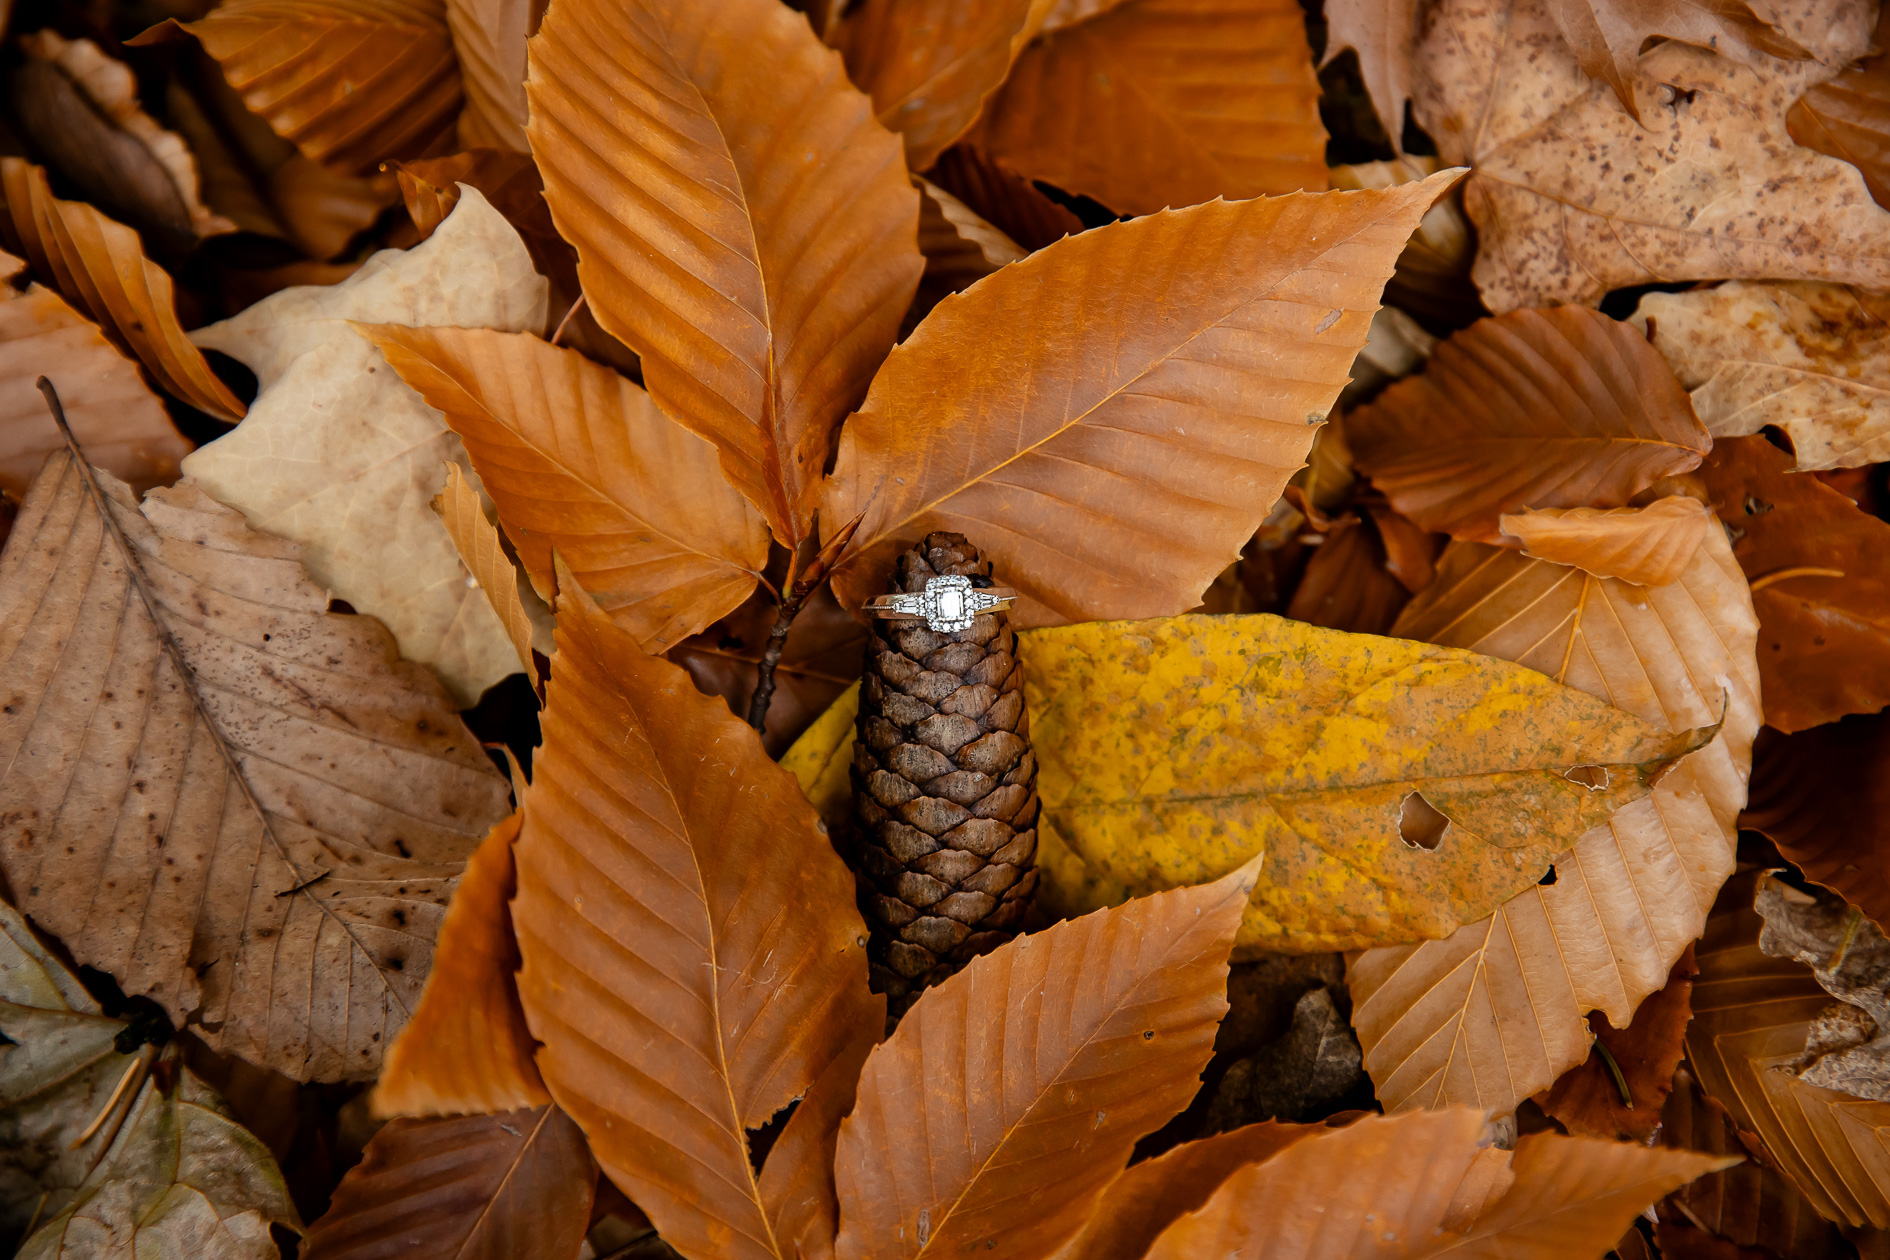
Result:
{"points": [[1440, 450]]}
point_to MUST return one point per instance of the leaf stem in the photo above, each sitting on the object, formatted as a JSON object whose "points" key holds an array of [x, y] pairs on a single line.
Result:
{"points": [[798, 590], [1614, 1070]]}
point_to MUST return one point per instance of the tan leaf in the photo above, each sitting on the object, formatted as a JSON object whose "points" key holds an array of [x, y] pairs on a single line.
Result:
{"points": [[98, 266], [1164, 103], [489, 44], [1820, 795], [1710, 188], [511, 1186], [341, 456], [1006, 200], [352, 83], [299, 753], [1040, 1064], [1848, 117], [1753, 1014], [1549, 409], [1648, 546], [759, 325], [477, 541], [581, 462], [1812, 359], [1441, 1022], [674, 1016], [1384, 34], [119, 420], [1608, 35], [1050, 403], [467, 1049]]}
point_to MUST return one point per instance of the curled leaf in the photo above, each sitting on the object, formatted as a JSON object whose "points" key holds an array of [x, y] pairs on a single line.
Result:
{"points": [[1648, 546], [1820, 794]]}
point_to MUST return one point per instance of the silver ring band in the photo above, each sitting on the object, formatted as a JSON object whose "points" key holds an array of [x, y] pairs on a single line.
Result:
{"points": [[946, 604]]}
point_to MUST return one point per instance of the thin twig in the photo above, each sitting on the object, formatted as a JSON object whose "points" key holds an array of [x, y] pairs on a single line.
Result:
{"points": [[565, 322], [799, 590], [1760, 583], [1614, 1070], [134, 1068], [37, 1209]]}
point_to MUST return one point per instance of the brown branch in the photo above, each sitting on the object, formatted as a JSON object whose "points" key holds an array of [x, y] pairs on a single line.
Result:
{"points": [[799, 590]]}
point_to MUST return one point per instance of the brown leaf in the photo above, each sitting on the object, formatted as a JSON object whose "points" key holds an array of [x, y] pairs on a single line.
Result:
{"points": [[1608, 35], [1069, 12], [467, 1049], [352, 83], [1432, 281], [332, 767], [121, 422], [797, 1183], [1495, 1013], [1848, 117], [1049, 403], [1823, 796], [580, 462], [1820, 572], [1040, 1065], [98, 266], [1346, 585], [489, 44], [1009, 202], [1547, 409], [477, 542], [759, 328], [693, 958], [1308, 1070], [930, 66], [1588, 1099], [1712, 187], [960, 249], [511, 1186], [1648, 546], [1384, 34], [1164, 103], [1752, 1013]]}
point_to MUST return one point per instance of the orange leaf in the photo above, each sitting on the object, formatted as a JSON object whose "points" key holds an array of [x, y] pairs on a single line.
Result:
{"points": [[1040, 1065], [1346, 585], [466, 1047], [489, 44], [1166, 103], [693, 958], [1823, 796], [1559, 408], [580, 462], [1649, 546], [759, 256], [97, 265], [1009, 202], [1112, 417], [1588, 1099]]}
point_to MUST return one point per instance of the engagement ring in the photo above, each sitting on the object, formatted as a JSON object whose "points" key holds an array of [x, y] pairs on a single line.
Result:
{"points": [[946, 604]]}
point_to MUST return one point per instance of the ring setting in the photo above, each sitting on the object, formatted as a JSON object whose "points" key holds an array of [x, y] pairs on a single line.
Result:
{"points": [[946, 604]]}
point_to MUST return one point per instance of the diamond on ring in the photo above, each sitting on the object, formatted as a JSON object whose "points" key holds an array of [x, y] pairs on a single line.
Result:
{"points": [[946, 604]]}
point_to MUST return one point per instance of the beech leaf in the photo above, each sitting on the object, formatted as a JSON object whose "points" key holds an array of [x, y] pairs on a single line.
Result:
{"points": [[581, 462], [1618, 1091], [1848, 116], [960, 249], [1113, 416], [1161, 103], [1495, 1012], [1648, 546], [760, 262], [1007, 200], [340, 456], [1040, 1064], [1820, 794], [477, 541], [489, 45], [277, 831], [1547, 409], [516, 1185], [692, 956]]}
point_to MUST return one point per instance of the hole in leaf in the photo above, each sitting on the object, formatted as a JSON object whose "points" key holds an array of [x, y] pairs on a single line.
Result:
{"points": [[1548, 878], [1594, 778], [1420, 824]]}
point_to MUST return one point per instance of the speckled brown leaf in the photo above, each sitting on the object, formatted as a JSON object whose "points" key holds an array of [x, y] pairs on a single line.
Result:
{"points": [[1111, 463], [489, 45], [1848, 116], [353, 83], [693, 958], [1546, 409], [1165, 103], [760, 256], [1496, 1012], [1812, 359], [98, 266], [1820, 572], [512, 1186], [1823, 796], [1040, 1064], [1648, 546], [1849, 1046], [1608, 36], [1710, 188], [1588, 1100]]}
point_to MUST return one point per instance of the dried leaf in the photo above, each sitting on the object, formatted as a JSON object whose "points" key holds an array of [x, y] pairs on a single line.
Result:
{"points": [[1384, 35], [1495, 1013], [341, 456], [760, 327], [122, 424], [655, 828], [1812, 359], [1650, 546], [511, 1186], [1710, 188], [1304, 1073], [1823, 796], [581, 462], [467, 1048], [1040, 1064], [368, 793], [489, 44], [477, 542], [798, 1180], [1069, 12], [1753, 1013], [1011, 203], [1433, 276], [1849, 1048], [960, 249], [1165, 103], [97, 265], [1346, 585], [1050, 403], [1608, 35], [1848, 117], [1820, 572], [1547, 409], [352, 83], [1589, 1100], [930, 66]]}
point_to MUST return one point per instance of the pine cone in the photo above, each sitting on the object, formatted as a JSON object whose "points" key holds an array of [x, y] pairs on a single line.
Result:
{"points": [[944, 786]]}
